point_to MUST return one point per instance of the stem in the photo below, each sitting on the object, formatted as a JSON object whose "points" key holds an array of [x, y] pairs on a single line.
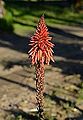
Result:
{"points": [[40, 89]]}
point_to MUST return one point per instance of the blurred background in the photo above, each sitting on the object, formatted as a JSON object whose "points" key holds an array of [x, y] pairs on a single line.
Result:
{"points": [[63, 79]]}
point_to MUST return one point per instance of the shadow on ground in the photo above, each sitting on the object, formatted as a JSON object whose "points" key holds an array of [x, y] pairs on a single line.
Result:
{"points": [[18, 83], [28, 116], [75, 118], [25, 115], [15, 42], [10, 64], [71, 52]]}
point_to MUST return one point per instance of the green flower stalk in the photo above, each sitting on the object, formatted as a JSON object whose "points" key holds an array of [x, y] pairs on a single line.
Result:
{"points": [[40, 54]]}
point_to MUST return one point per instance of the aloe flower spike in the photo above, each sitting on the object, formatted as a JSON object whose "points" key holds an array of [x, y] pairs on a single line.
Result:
{"points": [[41, 53]]}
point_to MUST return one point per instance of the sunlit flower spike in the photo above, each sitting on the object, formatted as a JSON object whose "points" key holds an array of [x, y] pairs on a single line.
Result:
{"points": [[40, 53], [41, 47]]}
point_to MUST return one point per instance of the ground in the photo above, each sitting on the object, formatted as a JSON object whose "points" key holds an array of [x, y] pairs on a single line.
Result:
{"points": [[63, 78]]}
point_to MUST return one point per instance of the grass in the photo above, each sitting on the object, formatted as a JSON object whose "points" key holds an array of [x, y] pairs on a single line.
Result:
{"points": [[80, 94], [26, 15]]}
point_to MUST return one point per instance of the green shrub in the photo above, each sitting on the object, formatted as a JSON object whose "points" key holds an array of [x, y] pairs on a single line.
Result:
{"points": [[6, 22]]}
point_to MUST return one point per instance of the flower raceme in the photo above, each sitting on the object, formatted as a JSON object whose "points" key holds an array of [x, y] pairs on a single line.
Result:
{"points": [[41, 52], [41, 47]]}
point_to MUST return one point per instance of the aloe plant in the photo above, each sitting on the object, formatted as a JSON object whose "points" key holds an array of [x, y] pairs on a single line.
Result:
{"points": [[40, 53]]}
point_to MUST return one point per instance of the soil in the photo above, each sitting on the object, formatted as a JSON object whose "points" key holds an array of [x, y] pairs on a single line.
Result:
{"points": [[63, 79]]}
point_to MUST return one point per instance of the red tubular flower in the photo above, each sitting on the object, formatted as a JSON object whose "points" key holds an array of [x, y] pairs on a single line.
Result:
{"points": [[41, 47], [40, 53]]}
